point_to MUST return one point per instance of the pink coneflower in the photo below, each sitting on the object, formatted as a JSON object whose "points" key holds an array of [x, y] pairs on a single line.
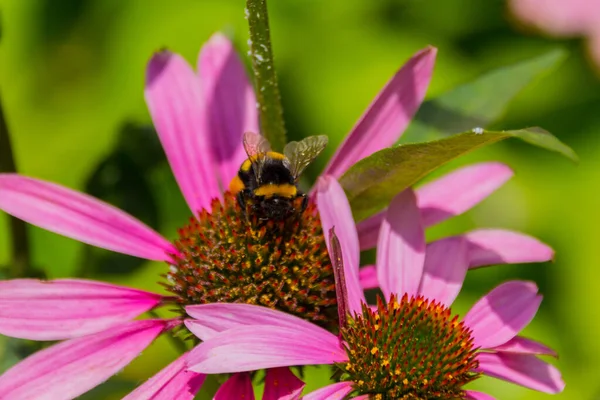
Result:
{"points": [[410, 346], [200, 118]]}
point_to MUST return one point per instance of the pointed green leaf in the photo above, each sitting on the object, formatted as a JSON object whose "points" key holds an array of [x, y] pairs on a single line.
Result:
{"points": [[477, 103], [372, 182]]}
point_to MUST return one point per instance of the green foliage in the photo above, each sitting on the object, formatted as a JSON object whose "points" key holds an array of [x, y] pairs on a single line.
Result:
{"points": [[372, 182]]}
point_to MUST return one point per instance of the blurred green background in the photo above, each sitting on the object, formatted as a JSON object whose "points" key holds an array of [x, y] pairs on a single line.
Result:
{"points": [[72, 77]]}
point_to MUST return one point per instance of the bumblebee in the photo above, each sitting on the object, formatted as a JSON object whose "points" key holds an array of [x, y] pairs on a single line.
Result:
{"points": [[268, 181]]}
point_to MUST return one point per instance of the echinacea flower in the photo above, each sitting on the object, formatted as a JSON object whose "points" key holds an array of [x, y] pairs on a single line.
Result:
{"points": [[410, 346], [200, 118]]}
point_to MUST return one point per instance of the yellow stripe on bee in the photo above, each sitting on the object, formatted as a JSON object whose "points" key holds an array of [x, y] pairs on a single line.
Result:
{"points": [[246, 165], [270, 190], [269, 154], [236, 185], [274, 155]]}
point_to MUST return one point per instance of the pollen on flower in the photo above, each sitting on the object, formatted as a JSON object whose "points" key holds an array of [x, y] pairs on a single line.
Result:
{"points": [[416, 350], [227, 255]]}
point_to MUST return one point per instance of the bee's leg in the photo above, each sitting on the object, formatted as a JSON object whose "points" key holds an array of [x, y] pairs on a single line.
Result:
{"points": [[304, 202], [241, 200]]}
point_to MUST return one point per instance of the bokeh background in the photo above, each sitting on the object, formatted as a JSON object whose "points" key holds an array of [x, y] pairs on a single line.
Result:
{"points": [[72, 77]]}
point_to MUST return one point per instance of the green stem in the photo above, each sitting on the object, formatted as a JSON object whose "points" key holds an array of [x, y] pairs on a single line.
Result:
{"points": [[21, 260], [267, 91]]}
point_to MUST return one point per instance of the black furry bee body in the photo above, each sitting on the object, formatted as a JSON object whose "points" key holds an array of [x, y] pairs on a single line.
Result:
{"points": [[267, 180]]}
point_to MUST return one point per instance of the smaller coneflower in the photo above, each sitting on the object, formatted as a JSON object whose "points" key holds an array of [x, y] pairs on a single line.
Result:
{"points": [[410, 346]]}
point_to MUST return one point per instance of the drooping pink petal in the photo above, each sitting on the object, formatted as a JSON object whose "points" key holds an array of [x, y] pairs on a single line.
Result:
{"points": [[172, 382], [79, 216], [368, 277], [250, 348], [67, 308], [401, 247], [446, 266], [523, 369], [68, 369], [445, 197], [499, 246], [230, 104], [473, 395], [213, 318], [460, 190], [502, 313], [334, 211], [388, 116], [523, 345], [336, 391], [178, 108], [282, 384], [237, 387]]}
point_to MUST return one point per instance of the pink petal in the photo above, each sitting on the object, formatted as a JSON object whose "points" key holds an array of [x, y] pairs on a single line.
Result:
{"points": [[368, 277], [67, 308], [473, 395], [523, 345], [177, 106], [282, 384], [172, 382], [368, 230], [80, 217], [213, 318], [389, 114], [231, 104], [501, 314], [334, 211], [69, 369], [237, 387], [445, 197], [249, 348], [200, 330], [499, 246], [336, 391], [522, 369], [445, 269], [460, 190], [401, 247]]}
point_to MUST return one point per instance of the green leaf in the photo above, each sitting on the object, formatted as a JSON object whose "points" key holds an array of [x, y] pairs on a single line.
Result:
{"points": [[371, 183], [478, 103]]}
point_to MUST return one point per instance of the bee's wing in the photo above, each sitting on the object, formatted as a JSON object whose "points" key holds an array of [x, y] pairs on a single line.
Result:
{"points": [[256, 147], [300, 154]]}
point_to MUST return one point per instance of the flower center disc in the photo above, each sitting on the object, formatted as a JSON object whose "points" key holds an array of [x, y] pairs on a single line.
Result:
{"points": [[409, 349], [282, 264]]}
